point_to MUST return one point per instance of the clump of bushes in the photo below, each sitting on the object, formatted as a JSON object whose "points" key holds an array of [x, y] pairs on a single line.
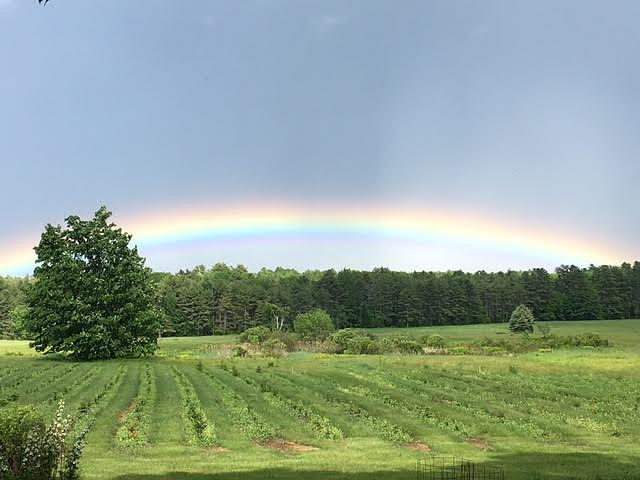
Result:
{"points": [[267, 342], [530, 344], [31, 449], [404, 344], [255, 335], [314, 325], [433, 341]]}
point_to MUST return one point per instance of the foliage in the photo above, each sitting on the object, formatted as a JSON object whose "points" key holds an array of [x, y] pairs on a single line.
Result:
{"points": [[433, 341], [544, 329], [201, 429], [404, 344], [313, 325], [521, 320], [345, 336], [224, 299], [274, 347], [92, 295], [255, 335], [29, 449], [134, 430]]}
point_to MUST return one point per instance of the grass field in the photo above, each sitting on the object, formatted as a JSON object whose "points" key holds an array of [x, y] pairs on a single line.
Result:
{"points": [[192, 414]]}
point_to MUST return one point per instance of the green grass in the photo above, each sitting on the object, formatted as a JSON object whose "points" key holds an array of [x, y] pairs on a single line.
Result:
{"points": [[564, 414]]}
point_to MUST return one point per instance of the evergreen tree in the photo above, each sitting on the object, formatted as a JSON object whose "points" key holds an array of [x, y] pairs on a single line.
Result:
{"points": [[521, 320]]}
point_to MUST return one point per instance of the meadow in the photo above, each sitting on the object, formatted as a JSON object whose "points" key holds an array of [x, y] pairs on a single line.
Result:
{"points": [[193, 413]]}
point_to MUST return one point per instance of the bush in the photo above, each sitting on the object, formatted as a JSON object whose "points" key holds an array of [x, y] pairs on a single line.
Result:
{"points": [[521, 320], [433, 341], [289, 339], [239, 351], [328, 346], [544, 329], [343, 337], [589, 340], [255, 335], [361, 345], [404, 344], [314, 325], [385, 345], [274, 347], [29, 449]]}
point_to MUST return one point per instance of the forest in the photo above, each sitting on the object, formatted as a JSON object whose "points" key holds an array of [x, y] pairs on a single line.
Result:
{"points": [[224, 299]]}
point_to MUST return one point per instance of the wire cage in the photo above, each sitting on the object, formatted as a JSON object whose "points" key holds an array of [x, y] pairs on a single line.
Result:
{"points": [[454, 468]]}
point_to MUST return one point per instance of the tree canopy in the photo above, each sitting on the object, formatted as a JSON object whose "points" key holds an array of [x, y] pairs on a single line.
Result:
{"points": [[92, 295]]}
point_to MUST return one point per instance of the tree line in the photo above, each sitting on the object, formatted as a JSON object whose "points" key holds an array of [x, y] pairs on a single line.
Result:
{"points": [[225, 299]]}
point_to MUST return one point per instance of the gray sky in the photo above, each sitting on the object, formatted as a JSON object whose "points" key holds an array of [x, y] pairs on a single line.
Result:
{"points": [[527, 111]]}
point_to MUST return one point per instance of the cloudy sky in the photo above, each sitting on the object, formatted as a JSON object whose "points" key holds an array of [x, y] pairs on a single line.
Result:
{"points": [[526, 113]]}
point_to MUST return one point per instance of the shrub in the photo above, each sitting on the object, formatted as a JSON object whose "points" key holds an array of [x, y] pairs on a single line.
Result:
{"points": [[521, 320], [255, 335], [590, 340], [343, 337], [29, 449], [384, 345], [544, 329], [239, 351], [404, 344], [288, 339], [328, 346], [434, 341], [361, 345], [314, 325], [274, 347]]}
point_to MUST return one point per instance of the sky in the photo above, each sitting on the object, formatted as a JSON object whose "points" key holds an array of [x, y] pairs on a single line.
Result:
{"points": [[504, 134]]}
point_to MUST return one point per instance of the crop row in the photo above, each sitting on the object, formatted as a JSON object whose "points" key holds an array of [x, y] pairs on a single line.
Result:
{"points": [[55, 377], [200, 429], [10, 391], [245, 418], [78, 383], [320, 425], [89, 410], [135, 424], [452, 400], [381, 426]]}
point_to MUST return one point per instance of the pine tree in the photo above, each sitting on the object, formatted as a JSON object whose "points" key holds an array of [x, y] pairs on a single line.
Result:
{"points": [[521, 320]]}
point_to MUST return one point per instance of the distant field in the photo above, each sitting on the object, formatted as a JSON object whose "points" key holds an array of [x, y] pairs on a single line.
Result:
{"points": [[565, 414]]}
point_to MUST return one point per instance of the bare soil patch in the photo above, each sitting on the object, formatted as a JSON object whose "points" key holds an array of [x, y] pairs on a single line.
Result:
{"points": [[218, 449], [419, 446], [480, 443], [286, 446]]}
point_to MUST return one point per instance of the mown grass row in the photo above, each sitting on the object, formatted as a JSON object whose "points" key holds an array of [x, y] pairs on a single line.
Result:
{"points": [[88, 410], [134, 430], [200, 429]]}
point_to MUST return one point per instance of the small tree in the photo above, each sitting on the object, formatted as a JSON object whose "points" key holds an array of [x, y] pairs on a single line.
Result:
{"points": [[521, 320], [92, 296], [314, 325]]}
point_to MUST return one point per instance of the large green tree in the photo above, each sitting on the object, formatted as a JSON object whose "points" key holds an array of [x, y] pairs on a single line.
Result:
{"points": [[92, 295]]}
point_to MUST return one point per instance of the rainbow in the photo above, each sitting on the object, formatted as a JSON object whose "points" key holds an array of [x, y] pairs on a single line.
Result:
{"points": [[180, 227]]}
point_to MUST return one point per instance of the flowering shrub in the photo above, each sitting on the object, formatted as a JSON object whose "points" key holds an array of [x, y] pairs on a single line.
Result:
{"points": [[30, 449]]}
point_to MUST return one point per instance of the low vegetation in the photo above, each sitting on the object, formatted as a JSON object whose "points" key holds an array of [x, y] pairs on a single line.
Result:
{"points": [[564, 411]]}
